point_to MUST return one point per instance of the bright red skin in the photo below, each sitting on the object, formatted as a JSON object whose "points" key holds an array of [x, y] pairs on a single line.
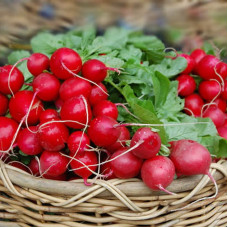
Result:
{"points": [[37, 63], [158, 171], [151, 143], [94, 70], [221, 104], [47, 86], [74, 87], [4, 101], [59, 103], [186, 85], [221, 69], [106, 169], [197, 55], [8, 128], [29, 142], [190, 157], [97, 94], [53, 163], [127, 165], [205, 68], [120, 143], [190, 63], [19, 106], [222, 131], [71, 60], [224, 91], [34, 166], [74, 141], [195, 103], [101, 131], [217, 116], [48, 115], [16, 80], [53, 136], [208, 90], [19, 166], [75, 109], [88, 158], [106, 108]]}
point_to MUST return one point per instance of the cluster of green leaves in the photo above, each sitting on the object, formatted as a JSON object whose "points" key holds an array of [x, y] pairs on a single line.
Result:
{"points": [[144, 83]]}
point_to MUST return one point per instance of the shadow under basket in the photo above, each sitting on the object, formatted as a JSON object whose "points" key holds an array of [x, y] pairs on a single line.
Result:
{"points": [[29, 201]]}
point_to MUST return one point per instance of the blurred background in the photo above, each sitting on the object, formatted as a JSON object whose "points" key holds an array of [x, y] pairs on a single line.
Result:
{"points": [[183, 24]]}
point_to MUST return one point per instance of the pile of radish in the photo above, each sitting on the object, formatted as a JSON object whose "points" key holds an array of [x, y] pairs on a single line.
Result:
{"points": [[68, 125]]}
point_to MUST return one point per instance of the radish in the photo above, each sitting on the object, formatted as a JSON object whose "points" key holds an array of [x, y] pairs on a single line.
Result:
{"points": [[186, 85], [8, 129], [158, 173], [208, 90], [89, 158], [151, 143], [121, 141], [95, 70], [37, 63], [206, 67], [4, 101], [221, 104], [74, 87], [221, 69], [19, 106], [216, 115], [107, 171], [126, 165], [59, 103], [11, 80], [222, 131], [28, 142], [20, 165], [53, 135], [34, 167], [78, 142], [97, 94], [106, 108], [102, 131], [67, 57], [224, 91], [47, 87], [49, 114], [53, 163], [197, 55], [76, 109], [193, 105], [190, 63]]}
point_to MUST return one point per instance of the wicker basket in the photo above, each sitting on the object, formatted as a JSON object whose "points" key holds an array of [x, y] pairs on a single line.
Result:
{"points": [[30, 201]]}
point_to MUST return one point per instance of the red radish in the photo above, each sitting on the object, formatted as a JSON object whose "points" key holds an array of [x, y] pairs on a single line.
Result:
{"points": [[68, 58], [8, 129], [158, 173], [121, 142], [19, 165], [222, 131], [125, 165], [19, 107], [59, 103], [217, 116], [97, 94], [95, 70], [53, 136], [151, 143], [224, 91], [37, 63], [221, 104], [89, 158], [12, 84], [221, 69], [49, 114], [34, 167], [78, 142], [62, 177], [197, 55], [102, 131], [53, 163], [208, 90], [106, 108], [47, 87], [194, 103], [75, 109], [190, 63], [107, 171], [186, 85], [4, 101], [28, 142], [74, 87], [206, 67]]}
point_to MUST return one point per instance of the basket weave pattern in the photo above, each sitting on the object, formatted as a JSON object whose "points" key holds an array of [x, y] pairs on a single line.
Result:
{"points": [[29, 201]]}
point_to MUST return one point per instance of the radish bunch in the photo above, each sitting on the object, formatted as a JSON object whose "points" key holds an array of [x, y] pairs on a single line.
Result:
{"points": [[209, 99]]}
